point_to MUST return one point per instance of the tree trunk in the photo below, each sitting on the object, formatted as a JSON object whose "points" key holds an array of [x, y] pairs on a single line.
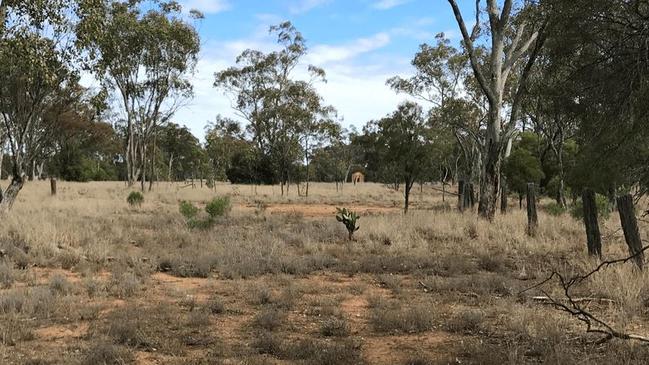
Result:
{"points": [[630, 228], [443, 191], [467, 195], [503, 198], [8, 198], [171, 159], [2, 156], [460, 195], [406, 194], [593, 236], [152, 164], [53, 185], [33, 172], [532, 218], [561, 195], [490, 184]]}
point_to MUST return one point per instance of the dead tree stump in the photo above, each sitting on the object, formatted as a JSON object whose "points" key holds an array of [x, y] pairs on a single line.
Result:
{"points": [[532, 218], [630, 228], [593, 236], [53, 185]]}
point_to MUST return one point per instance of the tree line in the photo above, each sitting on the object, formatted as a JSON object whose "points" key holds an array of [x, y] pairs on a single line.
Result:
{"points": [[551, 92]]}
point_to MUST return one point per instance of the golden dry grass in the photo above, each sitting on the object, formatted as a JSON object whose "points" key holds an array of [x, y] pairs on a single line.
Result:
{"points": [[277, 282]]}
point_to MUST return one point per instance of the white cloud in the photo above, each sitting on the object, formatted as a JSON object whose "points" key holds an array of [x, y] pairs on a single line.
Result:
{"points": [[355, 87], [207, 6], [322, 54], [388, 4], [303, 6]]}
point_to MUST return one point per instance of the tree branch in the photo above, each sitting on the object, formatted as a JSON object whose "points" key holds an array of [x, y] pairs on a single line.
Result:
{"points": [[468, 41], [575, 309]]}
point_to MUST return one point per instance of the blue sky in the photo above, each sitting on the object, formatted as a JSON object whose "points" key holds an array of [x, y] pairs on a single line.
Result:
{"points": [[359, 43]]}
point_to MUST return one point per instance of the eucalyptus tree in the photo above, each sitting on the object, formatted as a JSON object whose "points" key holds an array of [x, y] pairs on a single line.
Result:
{"points": [[146, 58], [603, 54], [441, 80], [35, 70], [279, 108], [223, 139], [514, 37], [404, 143]]}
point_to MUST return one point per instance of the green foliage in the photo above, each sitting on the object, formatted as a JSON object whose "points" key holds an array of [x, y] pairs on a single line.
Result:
{"points": [[555, 209], [521, 168], [135, 198], [218, 207], [284, 130], [349, 219], [604, 208], [188, 210]]}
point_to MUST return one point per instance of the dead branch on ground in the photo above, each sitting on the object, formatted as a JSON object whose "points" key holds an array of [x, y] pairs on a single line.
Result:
{"points": [[573, 306]]}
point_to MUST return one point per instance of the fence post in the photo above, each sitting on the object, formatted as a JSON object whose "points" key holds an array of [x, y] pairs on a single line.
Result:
{"points": [[532, 218], [593, 236], [630, 228]]}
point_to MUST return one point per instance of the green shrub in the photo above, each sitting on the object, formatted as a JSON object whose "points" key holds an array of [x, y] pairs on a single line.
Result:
{"points": [[135, 198], [188, 210], [555, 209], [218, 207], [603, 208]]}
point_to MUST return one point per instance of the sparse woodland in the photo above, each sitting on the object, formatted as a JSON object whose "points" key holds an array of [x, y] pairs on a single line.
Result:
{"points": [[502, 219]]}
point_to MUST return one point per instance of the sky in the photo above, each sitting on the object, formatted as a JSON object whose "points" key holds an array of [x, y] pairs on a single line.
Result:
{"points": [[359, 43]]}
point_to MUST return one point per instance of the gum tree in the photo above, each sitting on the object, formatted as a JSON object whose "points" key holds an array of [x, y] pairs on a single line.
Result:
{"points": [[281, 110], [146, 57], [511, 35], [35, 70]]}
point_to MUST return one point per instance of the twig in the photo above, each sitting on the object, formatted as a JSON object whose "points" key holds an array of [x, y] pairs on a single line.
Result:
{"points": [[572, 305], [576, 300]]}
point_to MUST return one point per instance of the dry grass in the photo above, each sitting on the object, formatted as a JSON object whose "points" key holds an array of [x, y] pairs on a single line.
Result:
{"points": [[277, 281]]}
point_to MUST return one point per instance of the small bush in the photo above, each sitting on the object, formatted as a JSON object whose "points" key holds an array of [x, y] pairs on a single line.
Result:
{"points": [[69, 259], [198, 318], [603, 208], [7, 276], [334, 327], [216, 305], [392, 317], [218, 207], [343, 352], [135, 198], [555, 209], [124, 284], [466, 322], [60, 285], [107, 353], [269, 319], [188, 210]]}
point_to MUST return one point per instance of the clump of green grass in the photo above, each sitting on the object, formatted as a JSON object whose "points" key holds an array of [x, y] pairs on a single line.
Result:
{"points": [[135, 199]]}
